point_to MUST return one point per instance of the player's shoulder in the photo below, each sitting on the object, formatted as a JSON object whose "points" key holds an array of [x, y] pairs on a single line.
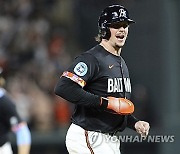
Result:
{"points": [[3, 99], [96, 50], [90, 54]]}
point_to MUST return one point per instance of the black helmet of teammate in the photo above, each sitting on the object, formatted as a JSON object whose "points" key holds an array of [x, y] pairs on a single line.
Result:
{"points": [[112, 14]]}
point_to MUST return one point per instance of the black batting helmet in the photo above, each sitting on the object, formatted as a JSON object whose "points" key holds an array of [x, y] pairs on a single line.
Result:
{"points": [[112, 14]]}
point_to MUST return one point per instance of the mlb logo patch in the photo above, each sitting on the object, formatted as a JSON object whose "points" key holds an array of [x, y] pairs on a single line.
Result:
{"points": [[81, 69]]}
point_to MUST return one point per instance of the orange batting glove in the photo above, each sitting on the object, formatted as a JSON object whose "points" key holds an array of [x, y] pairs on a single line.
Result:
{"points": [[120, 105]]}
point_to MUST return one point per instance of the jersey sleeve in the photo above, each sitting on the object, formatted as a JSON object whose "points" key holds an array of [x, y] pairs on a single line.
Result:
{"points": [[83, 69], [131, 120], [9, 113], [71, 83]]}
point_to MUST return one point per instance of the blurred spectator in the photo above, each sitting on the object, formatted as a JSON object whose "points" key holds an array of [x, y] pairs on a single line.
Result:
{"points": [[10, 120], [62, 112], [33, 50], [37, 107]]}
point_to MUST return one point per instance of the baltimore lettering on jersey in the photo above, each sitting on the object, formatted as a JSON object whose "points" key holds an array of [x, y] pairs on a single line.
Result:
{"points": [[116, 85]]}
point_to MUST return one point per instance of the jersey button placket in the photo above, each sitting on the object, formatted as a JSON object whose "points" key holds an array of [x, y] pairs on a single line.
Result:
{"points": [[122, 74]]}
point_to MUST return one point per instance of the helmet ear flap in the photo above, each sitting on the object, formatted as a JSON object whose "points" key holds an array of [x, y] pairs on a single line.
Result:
{"points": [[105, 33]]}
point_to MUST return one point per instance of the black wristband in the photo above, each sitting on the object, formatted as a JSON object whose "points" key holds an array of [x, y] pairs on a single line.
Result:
{"points": [[104, 103], [131, 122]]}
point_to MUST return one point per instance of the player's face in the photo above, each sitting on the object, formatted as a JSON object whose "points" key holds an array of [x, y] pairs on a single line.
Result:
{"points": [[119, 33]]}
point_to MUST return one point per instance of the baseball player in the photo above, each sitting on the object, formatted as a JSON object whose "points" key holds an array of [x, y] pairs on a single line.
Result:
{"points": [[98, 84], [10, 121]]}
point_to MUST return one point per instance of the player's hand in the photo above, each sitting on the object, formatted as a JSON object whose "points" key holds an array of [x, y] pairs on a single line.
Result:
{"points": [[142, 128], [120, 105]]}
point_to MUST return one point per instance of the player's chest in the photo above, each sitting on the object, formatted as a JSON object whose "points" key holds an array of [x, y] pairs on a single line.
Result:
{"points": [[115, 77], [114, 69]]}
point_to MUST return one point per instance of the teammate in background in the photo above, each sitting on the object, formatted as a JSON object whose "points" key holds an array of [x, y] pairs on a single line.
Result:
{"points": [[11, 121], [98, 84]]}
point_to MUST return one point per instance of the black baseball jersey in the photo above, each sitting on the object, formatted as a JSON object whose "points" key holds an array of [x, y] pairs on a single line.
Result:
{"points": [[100, 74], [8, 116]]}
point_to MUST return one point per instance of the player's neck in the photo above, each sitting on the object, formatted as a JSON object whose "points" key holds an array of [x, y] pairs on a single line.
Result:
{"points": [[113, 50]]}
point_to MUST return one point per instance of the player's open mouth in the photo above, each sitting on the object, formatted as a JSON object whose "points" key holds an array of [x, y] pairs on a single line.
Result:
{"points": [[120, 37]]}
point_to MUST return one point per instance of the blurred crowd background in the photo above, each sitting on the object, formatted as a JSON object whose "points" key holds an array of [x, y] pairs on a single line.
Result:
{"points": [[40, 38]]}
